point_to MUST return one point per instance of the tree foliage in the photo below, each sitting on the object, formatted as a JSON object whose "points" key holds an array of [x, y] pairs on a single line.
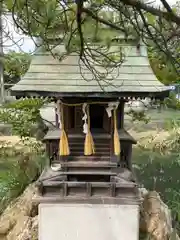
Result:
{"points": [[23, 115], [166, 64], [79, 23], [15, 66], [163, 68]]}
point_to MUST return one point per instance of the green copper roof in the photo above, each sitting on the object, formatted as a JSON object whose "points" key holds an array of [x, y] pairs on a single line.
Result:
{"points": [[48, 75]]}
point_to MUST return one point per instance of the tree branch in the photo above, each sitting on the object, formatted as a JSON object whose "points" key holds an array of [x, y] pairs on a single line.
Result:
{"points": [[169, 16], [79, 24], [166, 5], [101, 20]]}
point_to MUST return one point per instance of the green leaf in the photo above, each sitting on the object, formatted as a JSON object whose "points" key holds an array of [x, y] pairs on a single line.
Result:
{"points": [[151, 18]]}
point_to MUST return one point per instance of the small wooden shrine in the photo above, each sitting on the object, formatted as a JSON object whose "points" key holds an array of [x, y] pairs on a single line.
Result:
{"points": [[89, 151]]}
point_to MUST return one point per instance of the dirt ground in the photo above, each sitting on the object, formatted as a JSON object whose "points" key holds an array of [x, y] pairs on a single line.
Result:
{"points": [[139, 136], [10, 139], [155, 134]]}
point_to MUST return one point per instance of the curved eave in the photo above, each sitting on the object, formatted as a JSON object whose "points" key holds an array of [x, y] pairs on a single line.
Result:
{"points": [[159, 94]]}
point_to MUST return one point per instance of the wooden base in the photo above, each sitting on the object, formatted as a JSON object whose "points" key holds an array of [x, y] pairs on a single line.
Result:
{"points": [[77, 182]]}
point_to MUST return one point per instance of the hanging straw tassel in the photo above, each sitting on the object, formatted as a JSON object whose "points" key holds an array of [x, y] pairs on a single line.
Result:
{"points": [[63, 143], [117, 149], [89, 143]]}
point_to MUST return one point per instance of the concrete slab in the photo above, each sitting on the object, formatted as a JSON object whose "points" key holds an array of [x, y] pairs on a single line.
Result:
{"points": [[87, 222]]}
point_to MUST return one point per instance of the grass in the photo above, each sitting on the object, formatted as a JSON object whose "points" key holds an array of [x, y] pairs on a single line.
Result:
{"points": [[157, 115], [18, 168], [164, 114], [161, 173], [158, 172], [158, 120]]}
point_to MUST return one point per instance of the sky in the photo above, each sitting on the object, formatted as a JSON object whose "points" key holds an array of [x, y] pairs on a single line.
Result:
{"points": [[19, 42], [169, 1], [15, 40]]}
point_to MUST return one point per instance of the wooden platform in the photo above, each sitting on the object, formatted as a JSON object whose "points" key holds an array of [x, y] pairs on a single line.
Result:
{"points": [[92, 183], [96, 178]]}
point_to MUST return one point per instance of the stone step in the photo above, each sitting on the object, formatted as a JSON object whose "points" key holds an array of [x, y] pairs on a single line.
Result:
{"points": [[97, 154], [92, 164], [98, 148], [98, 144], [88, 158], [87, 172]]}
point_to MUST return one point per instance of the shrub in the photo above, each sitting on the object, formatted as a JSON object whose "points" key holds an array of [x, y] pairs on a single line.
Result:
{"points": [[172, 101], [23, 115]]}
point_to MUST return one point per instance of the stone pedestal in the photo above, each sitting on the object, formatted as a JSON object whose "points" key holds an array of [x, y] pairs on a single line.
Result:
{"points": [[88, 221]]}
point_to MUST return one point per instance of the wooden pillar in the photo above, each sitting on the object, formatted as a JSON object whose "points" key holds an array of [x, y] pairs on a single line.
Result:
{"points": [[112, 132], [56, 118], [120, 115], [114, 158], [120, 125]]}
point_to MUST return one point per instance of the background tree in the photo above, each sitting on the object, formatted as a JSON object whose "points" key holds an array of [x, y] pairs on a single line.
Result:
{"points": [[24, 117], [166, 65], [24, 114], [163, 69], [15, 66]]}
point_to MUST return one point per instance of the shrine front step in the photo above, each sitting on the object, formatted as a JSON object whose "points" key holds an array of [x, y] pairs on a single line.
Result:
{"points": [[97, 154], [86, 158], [76, 150], [88, 165], [80, 151], [95, 164], [102, 146], [98, 147]]}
